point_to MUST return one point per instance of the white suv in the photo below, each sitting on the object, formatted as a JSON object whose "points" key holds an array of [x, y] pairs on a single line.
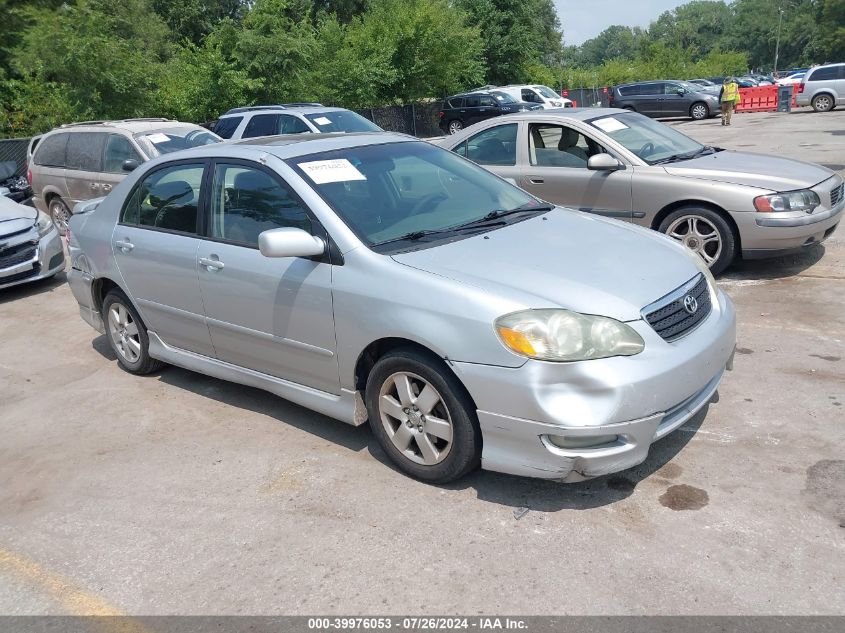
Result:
{"points": [[535, 93], [290, 118], [823, 87]]}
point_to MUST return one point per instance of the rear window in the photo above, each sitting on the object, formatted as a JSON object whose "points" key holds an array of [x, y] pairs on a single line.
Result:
{"points": [[829, 72], [85, 151], [51, 151], [262, 125], [226, 126], [455, 102]]}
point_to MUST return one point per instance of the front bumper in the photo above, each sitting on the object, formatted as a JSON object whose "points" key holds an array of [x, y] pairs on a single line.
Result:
{"points": [[48, 258], [638, 399], [764, 236]]}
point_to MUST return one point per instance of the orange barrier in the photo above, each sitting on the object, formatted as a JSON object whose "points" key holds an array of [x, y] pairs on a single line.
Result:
{"points": [[762, 98]]}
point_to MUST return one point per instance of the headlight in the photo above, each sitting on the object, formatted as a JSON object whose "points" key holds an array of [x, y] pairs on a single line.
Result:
{"points": [[561, 335], [804, 200], [43, 223], [556, 103]]}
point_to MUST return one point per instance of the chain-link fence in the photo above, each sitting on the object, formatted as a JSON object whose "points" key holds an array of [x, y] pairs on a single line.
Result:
{"points": [[588, 97], [416, 119], [14, 149]]}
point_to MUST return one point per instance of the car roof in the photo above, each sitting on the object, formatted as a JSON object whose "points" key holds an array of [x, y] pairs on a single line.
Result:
{"points": [[130, 125], [571, 114], [302, 109]]}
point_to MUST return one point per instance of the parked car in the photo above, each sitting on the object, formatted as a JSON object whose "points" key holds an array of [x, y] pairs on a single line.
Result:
{"points": [[13, 186], [823, 88], [290, 118], [80, 161], [795, 78], [382, 278], [463, 110], [720, 204], [702, 82], [665, 99], [30, 246], [539, 94]]}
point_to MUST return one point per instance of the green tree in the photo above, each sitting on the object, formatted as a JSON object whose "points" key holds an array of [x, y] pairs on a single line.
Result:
{"points": [[698, 26], [194, 19], [615, 42]]}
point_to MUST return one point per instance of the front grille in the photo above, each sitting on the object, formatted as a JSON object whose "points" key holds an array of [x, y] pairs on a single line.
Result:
{"points": [[836, 195], [18, 254], [669, 316]]}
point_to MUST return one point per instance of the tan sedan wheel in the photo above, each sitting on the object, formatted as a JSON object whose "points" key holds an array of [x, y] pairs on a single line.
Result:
{"points": [[704, 232]]}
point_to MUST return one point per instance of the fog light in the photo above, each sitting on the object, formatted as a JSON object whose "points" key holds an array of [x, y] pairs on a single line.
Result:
{"points": [[582, 441]]}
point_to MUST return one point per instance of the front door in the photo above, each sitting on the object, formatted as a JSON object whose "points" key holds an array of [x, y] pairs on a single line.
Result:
{"points": [[555, 170], [272, 315], [674, 101], [118, 149], [155, 245]]}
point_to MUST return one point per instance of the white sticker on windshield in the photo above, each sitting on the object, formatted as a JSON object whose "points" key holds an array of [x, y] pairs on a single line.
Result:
{"points": [[610, 124], [158, 137], [321, 120], [338, 170]]}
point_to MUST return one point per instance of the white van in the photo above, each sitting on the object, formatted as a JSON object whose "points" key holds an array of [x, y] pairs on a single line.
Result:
{"points": [[542, 95]]}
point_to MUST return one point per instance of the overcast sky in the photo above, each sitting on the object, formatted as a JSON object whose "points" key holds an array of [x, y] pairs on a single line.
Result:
{"points": [[583, 19]]}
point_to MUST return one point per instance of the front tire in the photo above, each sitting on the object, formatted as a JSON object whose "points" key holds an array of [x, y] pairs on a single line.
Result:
{"points": [[823, 103], [699, 111], [455, 126], [422, 417], [705, 232], [127, 335], [60, 214]]}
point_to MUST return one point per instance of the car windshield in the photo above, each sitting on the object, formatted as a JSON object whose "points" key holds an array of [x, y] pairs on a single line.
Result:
{"points": [[648, 139], [547, 92], [342, 121], [164, 141], [398, 195], [503, 97]]}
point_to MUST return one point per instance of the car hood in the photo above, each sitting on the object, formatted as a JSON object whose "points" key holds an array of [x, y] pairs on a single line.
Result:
{"points": [[755, 170], [15, 217], [569, 259]]}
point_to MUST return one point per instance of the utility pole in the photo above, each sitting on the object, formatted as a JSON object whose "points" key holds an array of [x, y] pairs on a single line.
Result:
{"points": [[777, 40]]}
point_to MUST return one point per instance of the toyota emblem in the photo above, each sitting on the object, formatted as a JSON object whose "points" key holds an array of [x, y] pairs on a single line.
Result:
{"points": [[690, 304]]}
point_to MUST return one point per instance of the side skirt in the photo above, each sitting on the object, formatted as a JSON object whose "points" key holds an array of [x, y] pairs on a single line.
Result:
{"points": [[347, 407]]}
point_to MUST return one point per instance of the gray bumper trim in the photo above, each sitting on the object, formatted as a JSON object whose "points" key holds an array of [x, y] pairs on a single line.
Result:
{"points": [[812, 218]]}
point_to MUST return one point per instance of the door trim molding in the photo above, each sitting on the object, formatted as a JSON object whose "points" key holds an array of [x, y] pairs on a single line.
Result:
{"points": [[306, 347]]}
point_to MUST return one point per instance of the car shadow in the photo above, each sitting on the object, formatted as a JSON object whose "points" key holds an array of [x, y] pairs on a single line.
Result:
{"points": [[775, 268], [32, 288]]}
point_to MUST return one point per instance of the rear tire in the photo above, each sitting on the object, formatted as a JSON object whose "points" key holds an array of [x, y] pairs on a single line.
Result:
{"points": [[705, 232], [455, 126], [698, 111], [127, 335], [823, 103], [423, 417], [60, 214]]}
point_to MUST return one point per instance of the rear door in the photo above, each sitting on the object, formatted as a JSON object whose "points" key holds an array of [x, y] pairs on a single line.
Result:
{"points": [[646, 97], [470, 111], [269, 314], [84, 163], [262, 125], [155, 246]]}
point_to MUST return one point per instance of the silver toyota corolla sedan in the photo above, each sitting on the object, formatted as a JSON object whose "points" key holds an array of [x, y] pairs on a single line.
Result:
{"points": [[720, 204], [30, 246], [377, 277]]}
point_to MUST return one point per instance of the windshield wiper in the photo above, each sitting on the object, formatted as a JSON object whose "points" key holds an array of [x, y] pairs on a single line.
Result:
{"points": [[704, 151], [412, 236], [495, 214]]}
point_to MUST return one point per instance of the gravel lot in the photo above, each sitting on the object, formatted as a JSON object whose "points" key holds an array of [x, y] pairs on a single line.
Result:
{"points": [[178, 493]]}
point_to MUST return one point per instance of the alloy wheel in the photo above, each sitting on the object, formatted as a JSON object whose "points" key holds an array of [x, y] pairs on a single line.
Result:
{"points": [[455, 127], [60, 215], [699, 112], [123, 331], [699, 235], [822, 103], [415, 418]]}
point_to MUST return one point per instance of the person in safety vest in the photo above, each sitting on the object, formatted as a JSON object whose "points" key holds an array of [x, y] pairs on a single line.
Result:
{"points": [[728, 97]]}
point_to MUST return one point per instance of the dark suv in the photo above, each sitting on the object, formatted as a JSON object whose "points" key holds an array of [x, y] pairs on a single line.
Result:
{"points": [[460, 111], [665, 99]]}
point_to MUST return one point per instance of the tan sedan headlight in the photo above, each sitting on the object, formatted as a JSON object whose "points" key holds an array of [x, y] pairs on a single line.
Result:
{"points": [[561, 335], [804, 200]]}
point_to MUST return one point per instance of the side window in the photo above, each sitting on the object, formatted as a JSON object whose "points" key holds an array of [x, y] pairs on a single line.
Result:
{"points": [[494, 146], [246, 202], [472, 102], [262, 125], [671, 89], [85, 151], [167, 199], [225, 127], [488, 102], [118, 150], [457, 102], [292, 125], [51, 151], [823, 74], [559, 146]]}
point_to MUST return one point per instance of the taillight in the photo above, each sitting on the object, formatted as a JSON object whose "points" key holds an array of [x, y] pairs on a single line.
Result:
{"points": [[801, 87], [442, 114], [29, 176]]}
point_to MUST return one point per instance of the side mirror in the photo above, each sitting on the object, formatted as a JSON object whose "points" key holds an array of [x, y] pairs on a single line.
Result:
{"points": [[130, 165], [290, 242], [604, 162], [681, 91]]}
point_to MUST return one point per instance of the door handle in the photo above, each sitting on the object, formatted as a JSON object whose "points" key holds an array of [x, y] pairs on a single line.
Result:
{"points": [[106, 187], [124, 245], [211, 264], [94, 185], [536, 180]]}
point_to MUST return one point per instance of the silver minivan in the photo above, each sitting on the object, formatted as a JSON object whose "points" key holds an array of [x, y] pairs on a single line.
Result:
{"points": [[378, 277], [823, 87], [80, 161]]}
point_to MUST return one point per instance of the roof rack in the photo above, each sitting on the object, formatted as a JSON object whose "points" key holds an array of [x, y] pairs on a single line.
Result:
{"points": [[113, 121], [84, 123], [280, 106], [145, 119]]}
